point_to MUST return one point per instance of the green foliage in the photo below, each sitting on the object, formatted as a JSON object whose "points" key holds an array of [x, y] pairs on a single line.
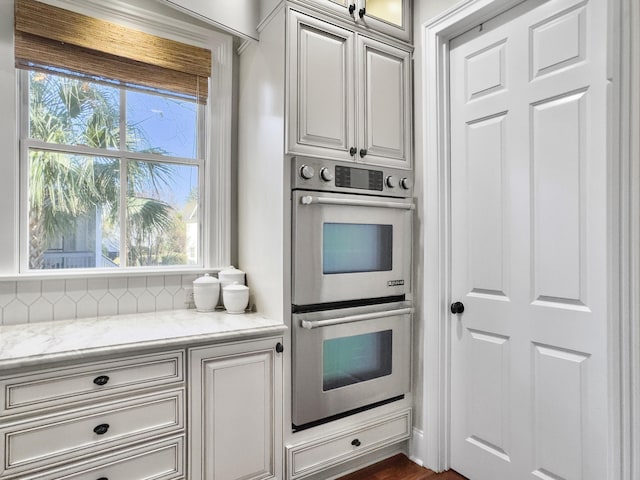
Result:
{"points": [[65, 187]]}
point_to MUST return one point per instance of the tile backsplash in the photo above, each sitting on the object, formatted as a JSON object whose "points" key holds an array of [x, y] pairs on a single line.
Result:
{"points": [[29, 301]]}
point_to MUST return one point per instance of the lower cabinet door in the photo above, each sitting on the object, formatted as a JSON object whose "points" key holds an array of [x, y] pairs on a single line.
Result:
{"points": [[235, 414], [162, 460]]}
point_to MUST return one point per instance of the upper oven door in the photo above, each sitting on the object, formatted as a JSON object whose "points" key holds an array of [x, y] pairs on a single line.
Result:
{"points": [[349, 247]]}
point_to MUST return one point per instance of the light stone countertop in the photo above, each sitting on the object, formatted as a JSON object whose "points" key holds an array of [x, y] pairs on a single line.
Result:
{"points": [[79, 339]]}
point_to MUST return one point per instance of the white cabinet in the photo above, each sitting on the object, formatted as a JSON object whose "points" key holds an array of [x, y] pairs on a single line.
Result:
{"points": [[349, 95], [311, 457], [80, 419], [390, 17], [126, 417], [235, 411]]}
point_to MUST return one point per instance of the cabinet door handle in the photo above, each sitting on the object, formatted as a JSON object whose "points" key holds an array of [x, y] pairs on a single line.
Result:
{"points": [[353, 151], [101, 380], [362, 12], [101, 429], [279, 347], [363, 152], [352, 8], [355, 442]]}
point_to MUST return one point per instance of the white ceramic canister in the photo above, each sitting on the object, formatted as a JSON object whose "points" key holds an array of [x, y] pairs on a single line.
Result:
{"points": [[231, 275], [235, 298], [206, 291]]}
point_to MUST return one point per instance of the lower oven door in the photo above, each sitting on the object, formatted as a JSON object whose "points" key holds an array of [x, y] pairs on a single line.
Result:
{"points": [[348, 359]]}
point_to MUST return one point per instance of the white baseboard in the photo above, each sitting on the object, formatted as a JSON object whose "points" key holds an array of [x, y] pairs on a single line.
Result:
{"points": [[417, 446]]}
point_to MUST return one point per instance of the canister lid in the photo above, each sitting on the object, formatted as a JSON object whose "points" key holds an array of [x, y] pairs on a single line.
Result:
{"points": [[231, 270], [206, 279]]}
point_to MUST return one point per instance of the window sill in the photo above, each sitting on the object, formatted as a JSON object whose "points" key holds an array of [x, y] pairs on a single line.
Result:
{"points": [[92, 273]]}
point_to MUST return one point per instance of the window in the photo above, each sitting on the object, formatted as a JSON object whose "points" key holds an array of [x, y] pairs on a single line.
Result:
{"points": [[113, 142]]}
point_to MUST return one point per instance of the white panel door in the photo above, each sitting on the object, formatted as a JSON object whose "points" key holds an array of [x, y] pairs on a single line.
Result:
{"points": [[529, 244]]}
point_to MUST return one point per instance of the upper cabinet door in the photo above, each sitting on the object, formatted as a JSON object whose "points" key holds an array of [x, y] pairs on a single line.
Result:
{"points": [[321, 120], [391, 17], [384, 104]]}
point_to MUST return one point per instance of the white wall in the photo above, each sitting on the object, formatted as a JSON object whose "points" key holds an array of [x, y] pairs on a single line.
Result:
{"points": [[423, 11], [239, 17], [8, 141]]}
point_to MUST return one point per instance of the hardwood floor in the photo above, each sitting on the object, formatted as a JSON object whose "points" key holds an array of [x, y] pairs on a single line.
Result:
{"points": [[399, 467]]}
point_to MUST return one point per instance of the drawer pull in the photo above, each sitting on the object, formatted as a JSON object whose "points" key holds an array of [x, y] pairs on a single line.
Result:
{"points": [[355, 442], [101, 429], [101, 380], [103, 478]]}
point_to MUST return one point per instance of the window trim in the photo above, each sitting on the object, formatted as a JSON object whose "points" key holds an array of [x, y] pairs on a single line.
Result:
{"points": [[216, 199]]}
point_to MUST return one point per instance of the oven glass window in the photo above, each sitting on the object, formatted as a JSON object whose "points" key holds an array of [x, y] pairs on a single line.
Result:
{"points": [[356, 247], [355, 359]]}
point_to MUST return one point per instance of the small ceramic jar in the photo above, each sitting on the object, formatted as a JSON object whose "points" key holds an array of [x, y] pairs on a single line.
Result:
{"points": [[206, 291], [235, 298], [231, 275]]}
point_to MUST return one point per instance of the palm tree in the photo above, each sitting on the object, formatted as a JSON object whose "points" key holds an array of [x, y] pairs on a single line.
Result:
{"points": [[64, 187]]}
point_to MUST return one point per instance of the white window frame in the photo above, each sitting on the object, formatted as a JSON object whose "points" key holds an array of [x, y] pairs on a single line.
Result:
{"points": [[216, 188]]}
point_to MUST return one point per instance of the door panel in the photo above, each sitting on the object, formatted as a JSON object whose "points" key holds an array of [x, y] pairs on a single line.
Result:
{"points": [[528, 258], [487, 413], [488, 238], [559, 41], [558, 166], [559, 411], [486, 71]]}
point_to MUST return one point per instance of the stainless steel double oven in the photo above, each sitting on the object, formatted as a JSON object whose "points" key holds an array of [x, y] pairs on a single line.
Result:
{"points": [[351, 274]]}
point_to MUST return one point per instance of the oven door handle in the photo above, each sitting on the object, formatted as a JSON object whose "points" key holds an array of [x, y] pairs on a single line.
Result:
{"points": [[308, 200], [354, 318]]}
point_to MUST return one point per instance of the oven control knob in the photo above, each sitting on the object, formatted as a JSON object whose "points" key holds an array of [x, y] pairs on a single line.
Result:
{"points": [[326, 174], [391, 181], [307, 172], [405, 183]]}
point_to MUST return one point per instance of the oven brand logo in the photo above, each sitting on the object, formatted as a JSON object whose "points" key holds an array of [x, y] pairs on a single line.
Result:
{"points": [[395, 283]]}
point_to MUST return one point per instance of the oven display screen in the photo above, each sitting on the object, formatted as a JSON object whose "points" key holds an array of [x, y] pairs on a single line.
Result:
{"points": [[356, 247], [358, 178], [355, 359]]}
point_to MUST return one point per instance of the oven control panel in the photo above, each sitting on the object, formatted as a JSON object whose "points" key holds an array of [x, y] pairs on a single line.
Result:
{"points": [[334, 176]]}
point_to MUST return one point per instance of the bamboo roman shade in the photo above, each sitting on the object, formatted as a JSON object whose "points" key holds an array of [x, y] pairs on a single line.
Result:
{"points": [[48, 36]]}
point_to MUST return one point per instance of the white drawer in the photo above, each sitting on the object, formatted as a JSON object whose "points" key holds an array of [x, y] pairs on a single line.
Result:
{"points": [[60, 386], [154, 461], [47, 440], [310, 457]]}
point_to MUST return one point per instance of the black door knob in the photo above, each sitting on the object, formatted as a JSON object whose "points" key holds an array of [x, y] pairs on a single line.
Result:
{"points": [[279, 347], [101, 429], [363, 152], [457, 307], [355, 442], [353, 151], [362, 12], [352, 8], [101, 380]]}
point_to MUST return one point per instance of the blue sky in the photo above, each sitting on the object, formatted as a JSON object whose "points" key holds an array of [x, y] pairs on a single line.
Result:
{"points": [[171, 125]]}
